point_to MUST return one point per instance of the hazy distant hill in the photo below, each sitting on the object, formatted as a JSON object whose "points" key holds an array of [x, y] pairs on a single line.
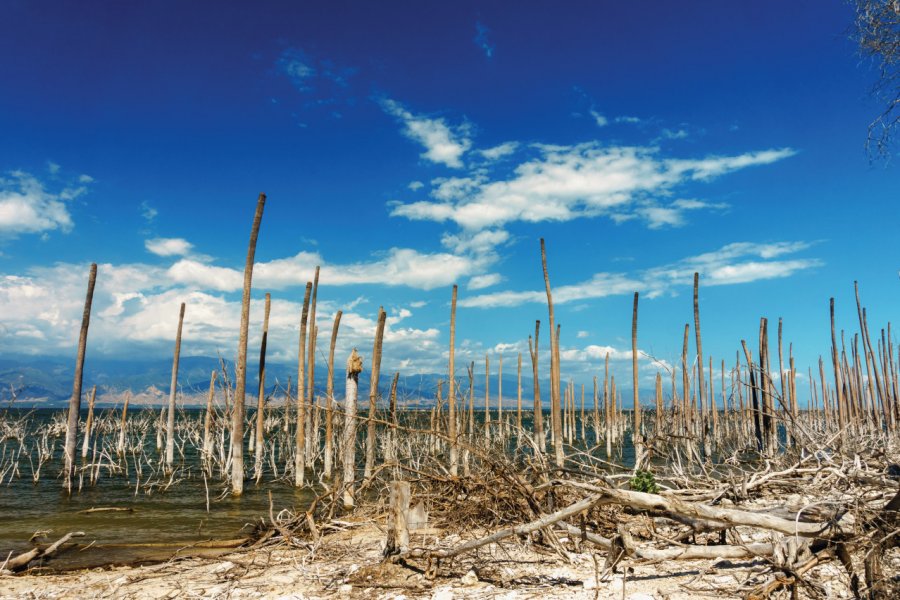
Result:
{"points": [[48, 381]]}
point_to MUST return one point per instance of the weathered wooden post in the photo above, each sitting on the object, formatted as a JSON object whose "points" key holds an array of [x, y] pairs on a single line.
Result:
{"points": [[398, 519], [173, 389]]}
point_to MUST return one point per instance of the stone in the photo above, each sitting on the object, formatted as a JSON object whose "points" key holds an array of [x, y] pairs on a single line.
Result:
{"points": [[469, 578]]}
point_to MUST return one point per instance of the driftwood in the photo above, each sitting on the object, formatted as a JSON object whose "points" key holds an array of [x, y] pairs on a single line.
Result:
{"points": [[21, 561]]}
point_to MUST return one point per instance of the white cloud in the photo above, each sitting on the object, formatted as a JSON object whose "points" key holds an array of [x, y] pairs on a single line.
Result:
{"points": [[195, 274], [599, 119], [480, 282], [399, 266], [582, 334], [499, 151], [26, 206], [742, 262], [443, 144], [168, 246], [416, 185], [562, 183]]}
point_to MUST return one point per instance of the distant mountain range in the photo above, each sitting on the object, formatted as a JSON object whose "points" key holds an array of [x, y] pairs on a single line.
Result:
{"points": [[47, 381]]}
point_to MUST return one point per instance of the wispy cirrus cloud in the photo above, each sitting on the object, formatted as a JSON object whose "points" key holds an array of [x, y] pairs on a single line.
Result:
{"points": [[562, 183], [27, 206], [481, 39], [741, 262], [444, 144]]}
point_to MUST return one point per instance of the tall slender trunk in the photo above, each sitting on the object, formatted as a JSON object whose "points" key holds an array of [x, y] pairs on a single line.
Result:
{"points": [[538, 425], [354, 368], [554, 367], [519, 394], [451, 388], [636, 436], [240, 386], [311, 370], [173, 388], [701, 381], [329, 398], [373, 394], [75, 400], [261, 396], [120, 447], [207, 419], [300, 434], [88, 423]]}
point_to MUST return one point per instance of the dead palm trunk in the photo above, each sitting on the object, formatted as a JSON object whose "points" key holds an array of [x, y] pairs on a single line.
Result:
{"points": [[311, 370], [373, 394], [451, 389], [487, 398], [554, 367], [207, 419], [519, 394], [88, 423], [75, 400], [701, 380], [329, 398], [354, 368], [300, 435], [173, 388], [240, 387], [120, 447], [500, 395], [260, 445], [636, 436]]}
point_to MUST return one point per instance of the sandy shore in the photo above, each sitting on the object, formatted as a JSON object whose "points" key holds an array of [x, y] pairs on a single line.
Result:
{"points": [[349, 564]]}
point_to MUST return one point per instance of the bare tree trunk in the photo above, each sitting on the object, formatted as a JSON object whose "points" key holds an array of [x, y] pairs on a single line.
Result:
{"points": [[636, 435], [75, 400], [311, 369], [329, 398], [354, 368], [261, 396], [519, 394], [173, 388], [373, 394], [701, 380], [451, 389], [88, 423], [207, 419], [487, 398], [240, 387], [120, 447], [538, 425], [300, 434], [500, 394], [554, 367]]}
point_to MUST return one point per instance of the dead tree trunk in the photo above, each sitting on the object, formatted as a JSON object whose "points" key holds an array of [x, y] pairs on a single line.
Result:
{"points": [[373, 394], [354, 368], [75, 400], [240, 387], [88, 423], [556, 417], [173, 388], [300, 434], [329, 398], [451, 389], [260, 443]]}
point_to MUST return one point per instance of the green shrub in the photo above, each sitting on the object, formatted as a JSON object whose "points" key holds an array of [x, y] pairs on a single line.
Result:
{"points": [[643, 481]]}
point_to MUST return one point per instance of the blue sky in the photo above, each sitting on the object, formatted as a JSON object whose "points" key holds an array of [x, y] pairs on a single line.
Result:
{"points": [[408, 146]]}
